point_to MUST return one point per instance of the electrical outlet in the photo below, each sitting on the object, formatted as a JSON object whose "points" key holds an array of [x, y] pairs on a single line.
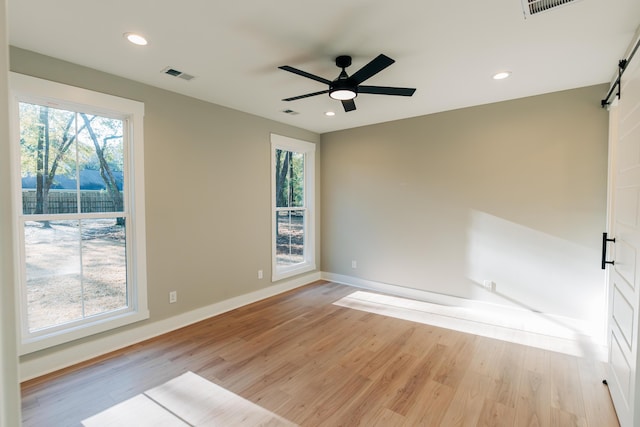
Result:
{"points": [[173, 297], [260, 275], [489, 285], [354, 264]]}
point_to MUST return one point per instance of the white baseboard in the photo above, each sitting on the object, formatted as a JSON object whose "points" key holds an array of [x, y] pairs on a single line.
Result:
{"points": [[417, 294], [581, 326], [38, 366]]}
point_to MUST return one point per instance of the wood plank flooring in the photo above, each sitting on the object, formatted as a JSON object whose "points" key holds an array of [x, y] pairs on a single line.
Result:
{"points": [[318, 364], [188, 400]]}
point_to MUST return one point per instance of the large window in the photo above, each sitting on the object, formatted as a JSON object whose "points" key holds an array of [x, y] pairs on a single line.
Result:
{"points": [[80, 224], [292, 174]]}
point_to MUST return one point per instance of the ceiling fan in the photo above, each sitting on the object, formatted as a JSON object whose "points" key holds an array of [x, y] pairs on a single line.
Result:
{"points": [[345, 88]]}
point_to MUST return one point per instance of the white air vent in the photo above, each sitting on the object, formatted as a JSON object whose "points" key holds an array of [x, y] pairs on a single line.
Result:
{"points": [[533, 7], [290, 112], [177, 73]]}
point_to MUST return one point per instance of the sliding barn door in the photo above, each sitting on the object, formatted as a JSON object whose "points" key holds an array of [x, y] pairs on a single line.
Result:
{"points": [[624, 274]]}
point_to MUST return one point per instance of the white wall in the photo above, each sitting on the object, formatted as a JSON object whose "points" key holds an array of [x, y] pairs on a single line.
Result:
{"points": [[9, 393]]}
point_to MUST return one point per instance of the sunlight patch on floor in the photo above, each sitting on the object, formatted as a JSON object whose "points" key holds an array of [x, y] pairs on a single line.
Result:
{"points": [[188, 400], [516, 326]]}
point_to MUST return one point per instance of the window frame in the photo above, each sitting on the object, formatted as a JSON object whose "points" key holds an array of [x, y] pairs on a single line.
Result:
{"points": [[279, 272], [29, 89]]}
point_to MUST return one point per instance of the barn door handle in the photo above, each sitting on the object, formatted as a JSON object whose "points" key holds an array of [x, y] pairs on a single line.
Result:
{"points": [[604, 250]]}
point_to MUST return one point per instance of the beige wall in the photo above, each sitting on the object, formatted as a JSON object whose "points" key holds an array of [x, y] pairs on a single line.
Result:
{"points": [[207, 178], [9, 394], [512, 192]]}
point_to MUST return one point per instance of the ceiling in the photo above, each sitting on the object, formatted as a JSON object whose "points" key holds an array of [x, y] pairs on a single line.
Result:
{"points": [[447, 49]]}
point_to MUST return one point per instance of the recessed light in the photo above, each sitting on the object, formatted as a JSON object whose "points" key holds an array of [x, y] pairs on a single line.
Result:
{"points": [[136, 39], [501, 75], [329, 114]]}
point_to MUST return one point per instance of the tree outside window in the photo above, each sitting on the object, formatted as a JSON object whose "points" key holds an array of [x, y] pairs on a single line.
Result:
{"points": [[71, 169], [292, 175]]}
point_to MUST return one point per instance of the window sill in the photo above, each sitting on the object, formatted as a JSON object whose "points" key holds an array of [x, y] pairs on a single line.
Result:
{"points": [[41, 342], [286, 272]]}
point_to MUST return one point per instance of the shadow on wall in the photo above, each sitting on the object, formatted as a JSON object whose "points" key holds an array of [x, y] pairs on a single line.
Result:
{"points": [[534, 270]]}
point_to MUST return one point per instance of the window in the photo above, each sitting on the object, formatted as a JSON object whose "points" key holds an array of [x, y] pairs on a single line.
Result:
{"points": [[78, 180], [292, 172]]}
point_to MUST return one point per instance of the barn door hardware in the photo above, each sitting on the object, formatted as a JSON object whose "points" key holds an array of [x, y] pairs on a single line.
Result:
{"points": [[622, 66], [605, 239]]}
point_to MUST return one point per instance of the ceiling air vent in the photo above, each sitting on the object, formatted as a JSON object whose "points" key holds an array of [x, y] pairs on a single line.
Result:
{"points": [[290, 112], [533, 7], [177, 73]]}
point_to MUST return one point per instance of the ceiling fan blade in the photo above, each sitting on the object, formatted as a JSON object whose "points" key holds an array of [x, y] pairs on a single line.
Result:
{"points": [[349, 105], [384, 90], [305, 74], [306, 96], [378, 64]]}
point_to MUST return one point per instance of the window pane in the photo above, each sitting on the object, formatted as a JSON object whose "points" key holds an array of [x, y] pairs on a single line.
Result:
{"points": [[289, 237], [52, 255], [289, 179], [297, 180], [47, 160], [282, 178], [100, 143], [104, 265], [74, 269]]}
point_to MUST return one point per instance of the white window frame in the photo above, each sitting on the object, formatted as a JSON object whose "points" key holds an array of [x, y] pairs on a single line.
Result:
{"points": [[279, 272], [34, 90]]}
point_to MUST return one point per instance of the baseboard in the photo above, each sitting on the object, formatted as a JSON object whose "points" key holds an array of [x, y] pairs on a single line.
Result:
{"points": [[579, 325], [73, 355], [417, 294]]}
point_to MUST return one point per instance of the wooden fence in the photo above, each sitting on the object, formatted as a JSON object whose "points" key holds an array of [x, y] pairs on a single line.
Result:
{"points": [[67, 201]]}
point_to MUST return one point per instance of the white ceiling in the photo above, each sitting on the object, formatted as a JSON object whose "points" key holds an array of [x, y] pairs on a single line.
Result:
{"points": [[447, 49]]}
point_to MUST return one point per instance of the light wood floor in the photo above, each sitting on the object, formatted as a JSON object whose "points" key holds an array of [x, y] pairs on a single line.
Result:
{"points": [[318, 364]]}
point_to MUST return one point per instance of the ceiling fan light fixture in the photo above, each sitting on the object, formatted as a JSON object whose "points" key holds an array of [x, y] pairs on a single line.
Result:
{"points": [[343, 88], [342, 94]]}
